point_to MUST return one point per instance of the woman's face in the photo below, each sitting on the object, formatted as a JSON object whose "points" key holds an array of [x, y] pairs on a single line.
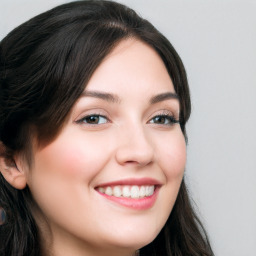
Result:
{"points": [[110, 179]]}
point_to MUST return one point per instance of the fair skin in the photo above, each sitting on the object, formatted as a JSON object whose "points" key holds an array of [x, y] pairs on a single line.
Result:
{"points": [[121, 133]]}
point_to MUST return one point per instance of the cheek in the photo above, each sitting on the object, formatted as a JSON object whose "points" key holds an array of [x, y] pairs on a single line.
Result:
{"points": [[65, 170], [71, 158], [173, 157]]}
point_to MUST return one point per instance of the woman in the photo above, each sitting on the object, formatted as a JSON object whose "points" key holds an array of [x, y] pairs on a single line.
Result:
{"points": [[94, 102]]}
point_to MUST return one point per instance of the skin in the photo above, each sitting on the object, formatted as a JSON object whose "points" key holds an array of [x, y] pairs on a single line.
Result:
{"points": [[130, 142]]}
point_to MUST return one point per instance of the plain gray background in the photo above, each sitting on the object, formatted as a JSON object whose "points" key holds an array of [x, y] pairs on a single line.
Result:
{"points": [[217, 42]]}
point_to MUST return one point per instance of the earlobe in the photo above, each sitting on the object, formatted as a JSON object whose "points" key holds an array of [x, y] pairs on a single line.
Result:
{"points": [[12, 174]]}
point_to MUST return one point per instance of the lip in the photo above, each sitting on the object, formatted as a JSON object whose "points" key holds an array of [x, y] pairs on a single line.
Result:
{"points": [[133, 203]]}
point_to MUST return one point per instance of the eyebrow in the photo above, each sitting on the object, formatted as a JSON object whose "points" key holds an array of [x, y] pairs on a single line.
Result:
{"points": [[102, 95], [115, 99], [164, 96]]}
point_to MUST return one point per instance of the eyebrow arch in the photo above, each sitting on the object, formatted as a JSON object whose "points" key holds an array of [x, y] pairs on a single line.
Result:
{"points": [[163, 96], [115, 99], [102, 95]]}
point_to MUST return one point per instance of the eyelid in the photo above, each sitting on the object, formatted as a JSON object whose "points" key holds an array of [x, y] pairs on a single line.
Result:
{"points": [[165, 114], [92, 112], [81, 120]]}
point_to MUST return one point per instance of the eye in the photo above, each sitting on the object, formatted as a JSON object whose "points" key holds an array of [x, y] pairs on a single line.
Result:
{"points": [[93, 119], [163, 120]]}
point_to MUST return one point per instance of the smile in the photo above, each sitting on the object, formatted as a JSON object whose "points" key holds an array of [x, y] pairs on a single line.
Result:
{"points": [[128, 191], [136, 194]]}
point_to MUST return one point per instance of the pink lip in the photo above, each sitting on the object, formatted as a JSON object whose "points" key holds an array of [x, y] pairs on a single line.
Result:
{"points": [[134, 203], [137, 204]]}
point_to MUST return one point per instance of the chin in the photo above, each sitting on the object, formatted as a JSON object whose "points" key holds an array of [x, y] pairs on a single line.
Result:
{"points": [[134, 239]]}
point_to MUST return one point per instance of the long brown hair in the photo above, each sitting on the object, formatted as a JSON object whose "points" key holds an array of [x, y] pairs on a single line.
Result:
{"points": [[45, 65]]}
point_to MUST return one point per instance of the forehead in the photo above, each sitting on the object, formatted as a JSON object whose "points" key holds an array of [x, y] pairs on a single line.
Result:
{"points": [[132, 66]]}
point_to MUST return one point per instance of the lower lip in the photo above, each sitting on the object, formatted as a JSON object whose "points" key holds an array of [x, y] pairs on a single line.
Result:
{"points": [[134, 203]]}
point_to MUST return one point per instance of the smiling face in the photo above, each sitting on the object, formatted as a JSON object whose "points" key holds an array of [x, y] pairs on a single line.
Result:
{"points": [[109, 180]]}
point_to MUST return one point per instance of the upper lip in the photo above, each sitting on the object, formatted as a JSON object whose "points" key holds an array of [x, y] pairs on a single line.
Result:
{"points": [[131, 181]]}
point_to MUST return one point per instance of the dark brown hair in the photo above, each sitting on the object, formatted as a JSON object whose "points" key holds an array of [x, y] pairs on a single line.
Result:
{"points": [[45, 65]]}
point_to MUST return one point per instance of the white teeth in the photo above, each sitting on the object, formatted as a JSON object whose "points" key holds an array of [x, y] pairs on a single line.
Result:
{"points": [[101, 190], [128, 191], [117, 191], [142, 191], [135, 192], [150, 190], [108, 191]]}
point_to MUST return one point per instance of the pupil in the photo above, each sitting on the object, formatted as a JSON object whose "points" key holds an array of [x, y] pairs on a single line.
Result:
{"points": [[93, 119], [160, 119]]}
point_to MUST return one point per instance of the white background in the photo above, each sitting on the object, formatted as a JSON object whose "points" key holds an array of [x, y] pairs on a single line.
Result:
{"points": [[217, 41]]}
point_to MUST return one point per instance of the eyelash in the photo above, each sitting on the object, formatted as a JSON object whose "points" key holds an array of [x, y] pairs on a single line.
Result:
{"points": [[169, 119], [98, 116]]}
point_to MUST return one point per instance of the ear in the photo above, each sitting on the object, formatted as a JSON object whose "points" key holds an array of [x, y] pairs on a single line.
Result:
{"points": [[13, 175]]}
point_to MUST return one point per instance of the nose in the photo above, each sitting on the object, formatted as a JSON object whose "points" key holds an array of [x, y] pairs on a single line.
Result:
{"points": [[134, 147]]}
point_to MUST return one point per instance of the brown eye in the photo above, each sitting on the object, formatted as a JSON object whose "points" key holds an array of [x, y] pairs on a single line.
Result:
{"points": [[93, 119], [160, 120], [163, 120]]}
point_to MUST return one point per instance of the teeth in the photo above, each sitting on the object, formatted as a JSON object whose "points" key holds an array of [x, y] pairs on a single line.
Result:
{"points": [[102, 190], [149, 190], [135, 192], [117, 191], [108, 191], [128, 191], [142, 191]]}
